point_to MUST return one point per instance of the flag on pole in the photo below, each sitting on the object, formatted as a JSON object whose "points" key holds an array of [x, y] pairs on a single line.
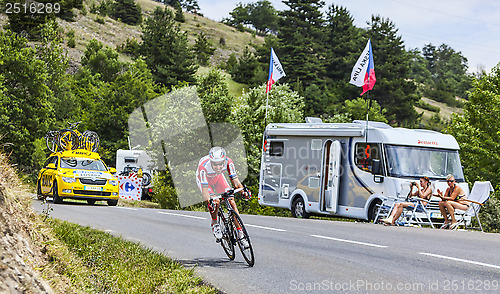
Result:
{"points": [[363, 73], [276, 71]]}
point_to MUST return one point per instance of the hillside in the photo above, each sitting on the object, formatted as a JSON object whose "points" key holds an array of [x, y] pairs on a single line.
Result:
{"points": [[114, 33]]}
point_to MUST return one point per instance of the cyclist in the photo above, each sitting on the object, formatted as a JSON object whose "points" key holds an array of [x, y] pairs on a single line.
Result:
{"points": [[211, 181]]}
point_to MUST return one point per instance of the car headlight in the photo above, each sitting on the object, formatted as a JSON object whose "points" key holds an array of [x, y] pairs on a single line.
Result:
{"points": [[68, 179], [113, 182]]}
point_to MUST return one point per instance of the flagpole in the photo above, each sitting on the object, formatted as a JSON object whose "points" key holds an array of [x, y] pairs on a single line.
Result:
{"points": [[367, 112], [267, 102]]}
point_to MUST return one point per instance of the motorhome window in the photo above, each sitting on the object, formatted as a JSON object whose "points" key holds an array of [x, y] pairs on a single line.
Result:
{"points": [[365, 154], [276, 148], [415, 162], [316, 144], [130, 160]]}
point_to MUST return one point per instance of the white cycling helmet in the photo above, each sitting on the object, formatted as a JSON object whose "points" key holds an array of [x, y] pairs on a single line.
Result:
{"points": [[217, 155]]}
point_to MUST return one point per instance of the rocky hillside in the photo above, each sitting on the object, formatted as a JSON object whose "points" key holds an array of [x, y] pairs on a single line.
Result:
{"points": [[18, 255]]}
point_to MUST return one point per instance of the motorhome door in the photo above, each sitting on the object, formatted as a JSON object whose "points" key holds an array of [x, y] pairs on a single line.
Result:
{"points": [[331, 175]]}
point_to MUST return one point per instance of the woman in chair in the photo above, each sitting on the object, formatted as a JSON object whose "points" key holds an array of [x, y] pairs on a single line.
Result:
{"points": [[424, 191], [454, 198]]}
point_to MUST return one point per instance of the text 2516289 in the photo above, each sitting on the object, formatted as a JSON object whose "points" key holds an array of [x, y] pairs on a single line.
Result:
{"points": [[29, 7]]}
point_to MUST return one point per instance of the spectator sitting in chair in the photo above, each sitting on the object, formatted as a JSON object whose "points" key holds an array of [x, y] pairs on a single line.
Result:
{"points": [[453, 199], [424, 191]]}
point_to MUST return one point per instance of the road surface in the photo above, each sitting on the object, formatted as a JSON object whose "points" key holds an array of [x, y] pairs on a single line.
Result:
{"points": [[308, 256]]}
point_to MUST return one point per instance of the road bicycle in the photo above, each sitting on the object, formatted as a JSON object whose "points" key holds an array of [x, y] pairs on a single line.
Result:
{"points": [[230, 237], [71, 139]]}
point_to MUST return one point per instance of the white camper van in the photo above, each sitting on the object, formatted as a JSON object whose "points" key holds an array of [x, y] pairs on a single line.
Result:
{"points": [[133, 160], [345, 169]]}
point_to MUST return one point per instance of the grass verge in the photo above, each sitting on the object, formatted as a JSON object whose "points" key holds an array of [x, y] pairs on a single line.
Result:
{"points": [[120, 266]]}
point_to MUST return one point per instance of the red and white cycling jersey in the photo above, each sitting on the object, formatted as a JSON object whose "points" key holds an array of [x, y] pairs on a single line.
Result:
{"points": [[207, 177]]}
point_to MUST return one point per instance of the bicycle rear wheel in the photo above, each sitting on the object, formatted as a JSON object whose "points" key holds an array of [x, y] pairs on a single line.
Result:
{"points": [[227, 239], [51, 140], [90, 141], [68, 140], [246, 251]]}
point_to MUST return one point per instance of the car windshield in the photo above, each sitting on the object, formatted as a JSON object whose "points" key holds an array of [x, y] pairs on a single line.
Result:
{"points": [[83, 163], [415, 162]]}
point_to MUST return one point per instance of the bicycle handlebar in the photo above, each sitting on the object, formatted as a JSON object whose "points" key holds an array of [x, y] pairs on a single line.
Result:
{"points": [[229, 193]]}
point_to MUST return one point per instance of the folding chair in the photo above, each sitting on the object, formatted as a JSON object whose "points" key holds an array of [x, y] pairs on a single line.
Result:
{"points": [[478, 196], [384, 209], [416, 213]]}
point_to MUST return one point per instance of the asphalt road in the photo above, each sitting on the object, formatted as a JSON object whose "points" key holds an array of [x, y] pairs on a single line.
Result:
{"points": [[308, 256]]}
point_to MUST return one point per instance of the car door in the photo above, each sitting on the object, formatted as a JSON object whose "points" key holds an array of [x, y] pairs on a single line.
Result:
{"points": [[48, 174]]}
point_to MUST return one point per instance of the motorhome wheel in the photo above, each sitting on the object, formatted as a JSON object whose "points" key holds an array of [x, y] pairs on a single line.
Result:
{"points": [[299, 209]]}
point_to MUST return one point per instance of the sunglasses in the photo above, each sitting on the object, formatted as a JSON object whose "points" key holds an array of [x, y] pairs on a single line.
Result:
{"points": [[450, 181], [217, 163]]}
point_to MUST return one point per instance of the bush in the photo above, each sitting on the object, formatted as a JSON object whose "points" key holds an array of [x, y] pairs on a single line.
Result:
{"points": [[100, 20], [490, 213], [164, 192], [71, 39]]}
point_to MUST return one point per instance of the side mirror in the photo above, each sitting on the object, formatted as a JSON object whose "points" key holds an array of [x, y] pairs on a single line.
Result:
{"points": [[377, 171], [376, 167], [51, 166], [112, 170]]}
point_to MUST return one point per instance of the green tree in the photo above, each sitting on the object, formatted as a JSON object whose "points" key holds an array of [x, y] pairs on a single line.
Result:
{"points": [[478, 134], [356, 109], [449, 76], [264, 17], [301, 37], [394, 90], [102, 60], [214, 96], [284, 106], [27, 24], [110, 112], [166, 49], [127, 11], [25, 108], [477, 130], [248, 70], [342, 47], [203, 49], [179, 15]]}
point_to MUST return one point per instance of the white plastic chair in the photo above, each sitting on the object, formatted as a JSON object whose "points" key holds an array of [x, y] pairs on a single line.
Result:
{"points": [[480, 194]]}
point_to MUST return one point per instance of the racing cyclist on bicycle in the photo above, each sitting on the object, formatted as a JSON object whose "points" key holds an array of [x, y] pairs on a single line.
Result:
{"points": [[211, 181]]}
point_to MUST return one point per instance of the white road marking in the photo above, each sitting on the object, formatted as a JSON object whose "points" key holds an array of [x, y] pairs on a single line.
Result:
{"points": [[184, 215], [461, 260], [349, 241], [123, 207], [265, 228]]}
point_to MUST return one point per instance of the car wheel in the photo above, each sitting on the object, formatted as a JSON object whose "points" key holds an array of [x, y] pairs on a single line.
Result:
{"points": [[112, 202], [299, 208], [55, 194], [91, 201]]}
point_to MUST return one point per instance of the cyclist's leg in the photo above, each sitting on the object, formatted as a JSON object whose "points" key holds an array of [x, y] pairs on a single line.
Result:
{"points": [[207, 192], [220, 187]]}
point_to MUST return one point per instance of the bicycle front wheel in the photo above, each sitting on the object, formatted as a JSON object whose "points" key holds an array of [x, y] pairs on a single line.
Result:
{"points": [[244, 241], [227, 239]]}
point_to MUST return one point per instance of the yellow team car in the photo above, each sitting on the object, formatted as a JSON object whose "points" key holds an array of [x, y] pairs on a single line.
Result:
{"points": [[77, 174]]}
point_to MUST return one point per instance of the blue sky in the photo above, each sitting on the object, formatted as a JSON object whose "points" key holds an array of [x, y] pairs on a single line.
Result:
{"points": [[471, 27]]}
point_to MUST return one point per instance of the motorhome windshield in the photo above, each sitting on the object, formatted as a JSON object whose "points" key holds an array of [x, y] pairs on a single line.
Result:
{"points": [[415, 162]]}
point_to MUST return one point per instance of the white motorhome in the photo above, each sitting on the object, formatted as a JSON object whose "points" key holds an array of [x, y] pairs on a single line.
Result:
{"points": [[133, 160], [345, 169]]}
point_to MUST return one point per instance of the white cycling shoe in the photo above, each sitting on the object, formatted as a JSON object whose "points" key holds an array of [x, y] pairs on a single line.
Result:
{"points": [[217, 231], [243, 241]]}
